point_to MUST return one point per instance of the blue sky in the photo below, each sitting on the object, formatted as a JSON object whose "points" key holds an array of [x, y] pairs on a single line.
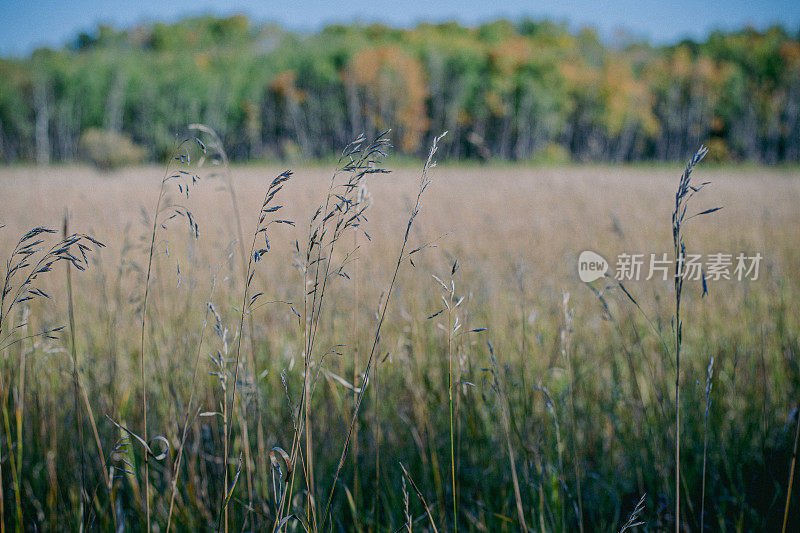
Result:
{"points": [[27, 24]]}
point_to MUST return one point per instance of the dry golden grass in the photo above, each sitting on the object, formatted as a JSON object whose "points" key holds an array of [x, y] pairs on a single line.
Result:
{"points": [[516, 232], [497, 213]]}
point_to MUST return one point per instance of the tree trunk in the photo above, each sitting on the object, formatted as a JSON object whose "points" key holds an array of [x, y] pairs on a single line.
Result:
{"points": [[115, 105], [42, 110]]}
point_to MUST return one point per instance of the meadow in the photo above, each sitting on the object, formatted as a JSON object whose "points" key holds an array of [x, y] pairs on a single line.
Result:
{"points": [[482, 387]]}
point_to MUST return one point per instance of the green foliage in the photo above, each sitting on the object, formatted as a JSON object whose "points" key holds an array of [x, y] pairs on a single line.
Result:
{"points": [[518, 87], [552, 154]]}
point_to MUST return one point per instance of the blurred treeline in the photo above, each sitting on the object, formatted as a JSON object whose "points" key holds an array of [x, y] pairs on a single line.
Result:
{"points": [[522, 91]]}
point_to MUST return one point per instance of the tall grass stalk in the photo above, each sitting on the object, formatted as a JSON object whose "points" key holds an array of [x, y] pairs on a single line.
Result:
{"points": [[505, 412], [356, 366], [340, 213], [709, 383], [450, 332], [12, 450], [425, 181], [182, 155], [266, 212], [80, 391], [30, 259], [219, 148], [364, 198], [176, 470], [633, 519], [2, 496], [81, 464], [377, 436], [451, 304], [421, 498], [566, 351], [683, 195], [791, 474]]}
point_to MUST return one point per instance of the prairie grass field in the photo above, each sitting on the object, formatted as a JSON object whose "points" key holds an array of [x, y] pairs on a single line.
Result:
{"points": [[501, 393]]}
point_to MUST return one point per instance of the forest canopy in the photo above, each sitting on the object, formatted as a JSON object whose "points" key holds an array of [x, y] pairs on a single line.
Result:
{"points": [[525, 90]]}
